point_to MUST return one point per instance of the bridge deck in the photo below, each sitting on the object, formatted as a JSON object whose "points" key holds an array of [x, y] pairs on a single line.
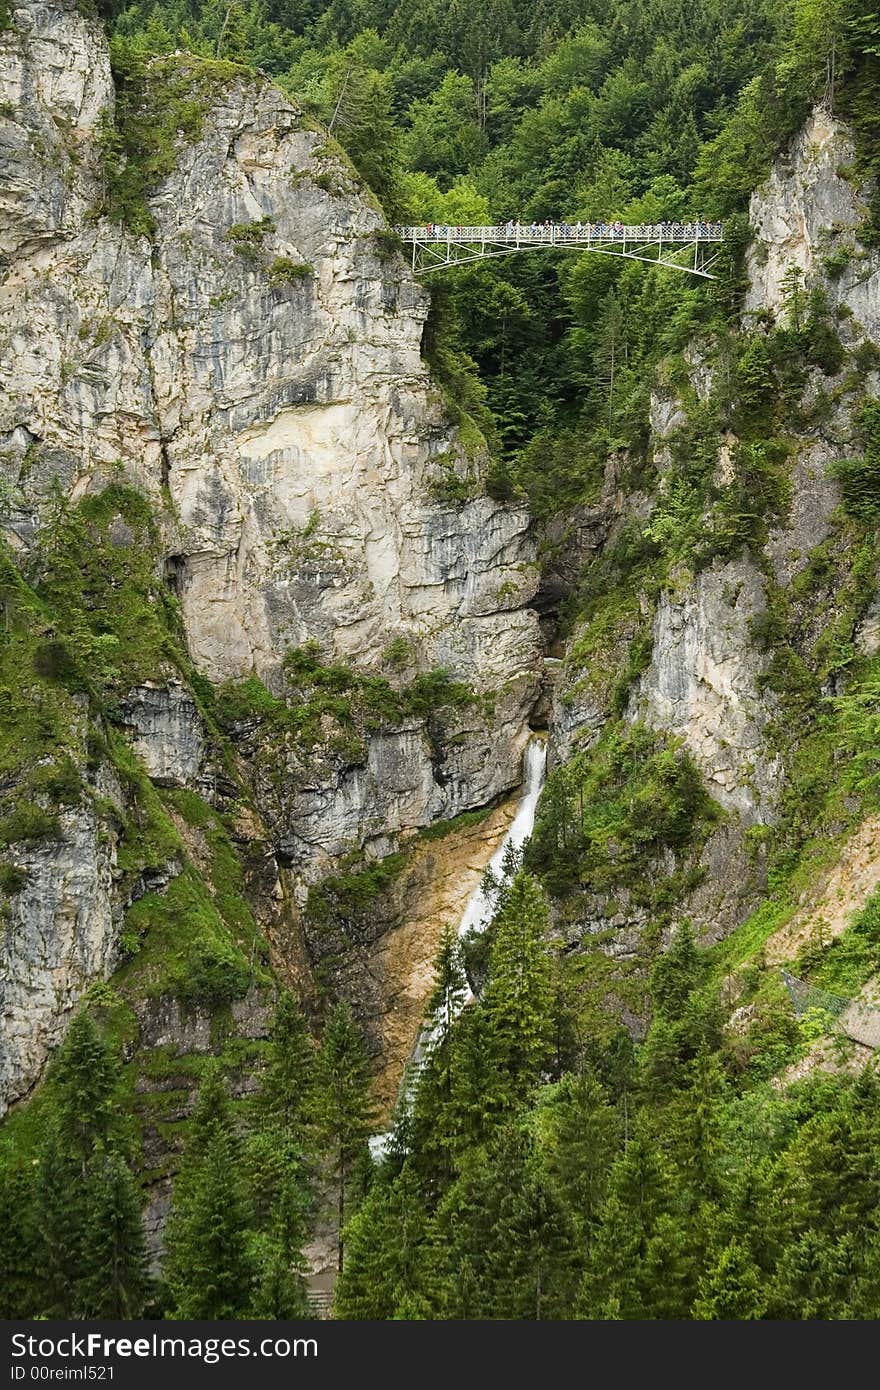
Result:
{"points": [[437, 247]]}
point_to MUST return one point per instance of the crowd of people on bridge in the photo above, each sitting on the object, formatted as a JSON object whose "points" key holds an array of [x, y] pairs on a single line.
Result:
{"points": [[697, 230]]}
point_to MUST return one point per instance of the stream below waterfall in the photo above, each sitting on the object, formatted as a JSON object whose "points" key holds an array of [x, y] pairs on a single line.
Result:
{"points": [[480, 906]]}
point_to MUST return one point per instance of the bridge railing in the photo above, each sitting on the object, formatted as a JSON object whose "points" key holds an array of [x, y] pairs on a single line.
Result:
{"points": [[561, 233]]}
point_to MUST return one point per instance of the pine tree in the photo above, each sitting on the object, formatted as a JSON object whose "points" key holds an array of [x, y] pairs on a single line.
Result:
{"points": [[503, 1223], [581, 1145], [212, 1116], [288, 1083], [818, 51], [343, 1107], [449, 992], [610, 353], [362, 120], [276, 1170], [61, 1210], [517, 1000], [280, 1288], [640, 1190], [278, 1255], [686, 1018], [699, 1139], [280, 1208], [794, 296], [814, 1277], [531, 1252], [610, 1287], [731, 1287], [116, 1284], [208, 1270], [676, 973], [388, 1260], [20, 1280], [85, 1077], [433, 1124], [479, 1091]]}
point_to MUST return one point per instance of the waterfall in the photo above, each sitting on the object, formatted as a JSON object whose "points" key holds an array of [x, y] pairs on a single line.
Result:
{"points": [[480, 906]]}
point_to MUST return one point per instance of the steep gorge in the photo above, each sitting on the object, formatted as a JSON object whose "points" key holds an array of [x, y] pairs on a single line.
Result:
{"points": [[268, 628]]}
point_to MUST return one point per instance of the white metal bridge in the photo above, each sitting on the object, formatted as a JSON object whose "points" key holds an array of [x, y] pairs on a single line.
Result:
{"points": [[689, 247]]}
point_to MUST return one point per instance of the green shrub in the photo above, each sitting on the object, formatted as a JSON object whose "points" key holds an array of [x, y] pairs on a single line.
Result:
{"points": [[243, 701], [115, 621], [755, 383], [866, 357], [159, 102], [12, 879], [54, 661], [859, 478], [853, 957], [346, 899], [60, 780], [605, 816], [248, 237], [822, 346], [836, 261], [284, 271], [214, 975], [399, 653], [27, 822], [388, 244]]}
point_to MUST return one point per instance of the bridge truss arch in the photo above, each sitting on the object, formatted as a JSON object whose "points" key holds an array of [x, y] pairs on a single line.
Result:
{"points": [[690, 248]]}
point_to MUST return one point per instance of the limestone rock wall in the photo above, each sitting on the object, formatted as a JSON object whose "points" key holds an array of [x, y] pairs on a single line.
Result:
{"points": [[806, 214], [267, 392], [58, 934], [165, 730], [702, 685]]}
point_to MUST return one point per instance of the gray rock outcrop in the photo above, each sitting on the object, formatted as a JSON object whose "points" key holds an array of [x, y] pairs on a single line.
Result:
{"points": [[807, 214], [165, 731], [58, 934], [702, 685]]}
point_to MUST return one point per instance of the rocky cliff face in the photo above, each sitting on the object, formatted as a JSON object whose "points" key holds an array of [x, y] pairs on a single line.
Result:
{"points": [[58, 935], [701, 684], [705, 674], [808, 215], [255, 370]]}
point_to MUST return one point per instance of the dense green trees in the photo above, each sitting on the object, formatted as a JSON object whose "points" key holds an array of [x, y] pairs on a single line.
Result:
{"points": [[208, 1270], [116, 1283], [343, 1110], [670, 1196], [72, 1240], [675, 1190], [469, 113], [565, 110]]}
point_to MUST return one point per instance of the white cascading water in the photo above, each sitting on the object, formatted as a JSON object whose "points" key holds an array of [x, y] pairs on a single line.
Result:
{"points": [[480, 906]]}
